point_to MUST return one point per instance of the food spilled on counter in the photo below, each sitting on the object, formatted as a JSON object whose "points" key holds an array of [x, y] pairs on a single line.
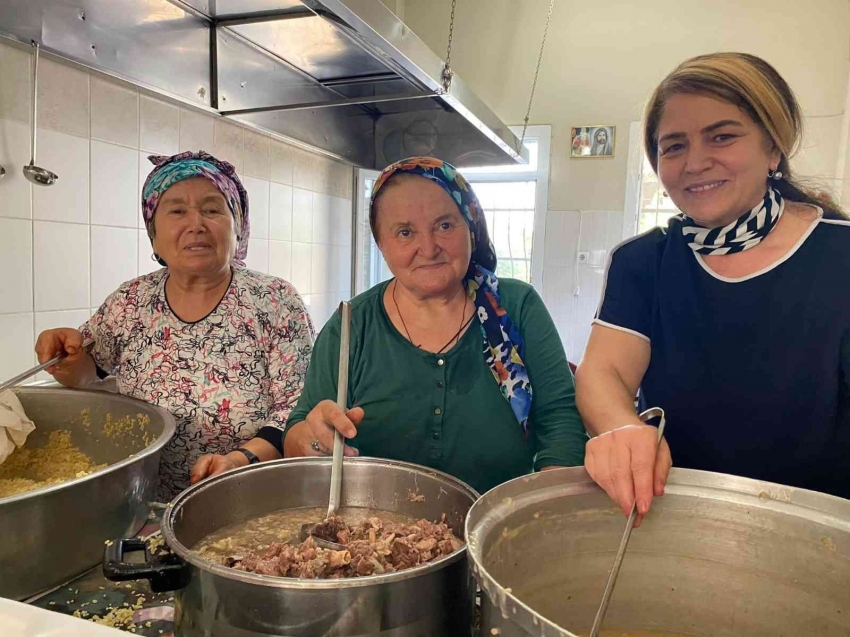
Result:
{"points": [[381, 543], [57, 461]]}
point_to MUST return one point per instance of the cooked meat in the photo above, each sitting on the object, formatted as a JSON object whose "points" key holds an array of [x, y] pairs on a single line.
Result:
{"points": [[372, 548]]}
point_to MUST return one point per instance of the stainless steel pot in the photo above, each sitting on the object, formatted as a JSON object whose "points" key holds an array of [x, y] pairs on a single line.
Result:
{"points": [[430, 600], [50, 535], [717, 556]]}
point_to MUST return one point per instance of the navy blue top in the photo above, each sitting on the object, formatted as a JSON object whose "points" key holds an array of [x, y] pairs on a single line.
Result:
{"points": [[753, 373]]}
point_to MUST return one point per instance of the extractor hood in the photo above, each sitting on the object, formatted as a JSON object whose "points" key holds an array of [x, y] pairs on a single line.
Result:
{"points": [[346, 77]]}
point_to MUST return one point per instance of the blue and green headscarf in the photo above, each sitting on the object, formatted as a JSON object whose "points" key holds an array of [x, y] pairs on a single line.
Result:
{"points": [[171, 170], [504, 348]]}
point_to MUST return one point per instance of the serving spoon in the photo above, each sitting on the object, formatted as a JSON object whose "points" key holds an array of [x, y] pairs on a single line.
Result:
{"points": [[308, 530], [36, 174]]}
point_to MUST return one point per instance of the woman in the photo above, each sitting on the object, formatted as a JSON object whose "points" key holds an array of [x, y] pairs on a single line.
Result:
{"points": [[731, 319], [449, 367], [223, 348]]}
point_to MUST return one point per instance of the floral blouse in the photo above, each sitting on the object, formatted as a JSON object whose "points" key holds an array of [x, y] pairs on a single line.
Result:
{"points": [[222, 378]]}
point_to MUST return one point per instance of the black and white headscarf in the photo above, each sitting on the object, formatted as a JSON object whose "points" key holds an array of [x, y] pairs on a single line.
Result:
{"points": [[746, 232]]}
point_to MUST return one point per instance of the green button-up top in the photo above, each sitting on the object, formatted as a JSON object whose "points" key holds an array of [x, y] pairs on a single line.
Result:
{"points": [[445, 411]]}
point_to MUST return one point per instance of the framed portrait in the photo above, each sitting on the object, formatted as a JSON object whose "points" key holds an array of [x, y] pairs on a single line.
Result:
{"points": [[589, 142]]}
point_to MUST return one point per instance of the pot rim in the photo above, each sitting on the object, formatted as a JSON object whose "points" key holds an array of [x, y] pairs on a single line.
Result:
{"points": [[173, 508], [821, 507], [168, 430]]}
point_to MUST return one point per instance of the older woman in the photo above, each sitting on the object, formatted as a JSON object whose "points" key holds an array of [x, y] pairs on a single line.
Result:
{"points": [[449, 367], [734, 319], [223, 348]]}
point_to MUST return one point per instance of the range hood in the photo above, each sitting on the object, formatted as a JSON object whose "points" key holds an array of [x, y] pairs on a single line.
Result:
{"points": [[345, 77]]}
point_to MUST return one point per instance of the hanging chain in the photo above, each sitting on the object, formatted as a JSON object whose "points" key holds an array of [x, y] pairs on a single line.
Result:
{"points": [[448, 74], [536, 73]]}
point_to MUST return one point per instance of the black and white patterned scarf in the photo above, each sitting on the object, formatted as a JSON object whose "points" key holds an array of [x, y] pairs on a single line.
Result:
{"points": [[746, 232]]}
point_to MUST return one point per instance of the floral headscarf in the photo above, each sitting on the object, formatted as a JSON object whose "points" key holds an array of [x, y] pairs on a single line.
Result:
{"points": [[504, 348], [170, 170]]}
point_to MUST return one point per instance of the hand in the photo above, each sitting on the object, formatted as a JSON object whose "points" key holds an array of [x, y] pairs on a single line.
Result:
{"points": [[212, 464], [319, 427], [629, 464], [77, 367]]}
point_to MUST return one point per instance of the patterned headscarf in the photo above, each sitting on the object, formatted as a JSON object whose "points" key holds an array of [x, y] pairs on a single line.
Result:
{"points": [[504, 349], [170, 170]]}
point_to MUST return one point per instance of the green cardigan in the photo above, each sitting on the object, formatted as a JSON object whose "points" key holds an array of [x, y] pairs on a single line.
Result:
{"points": [[445, 411]]}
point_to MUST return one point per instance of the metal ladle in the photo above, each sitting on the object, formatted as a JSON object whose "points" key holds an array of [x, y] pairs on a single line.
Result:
{"points": [[339, 443], [36, 174], [655, 412]]}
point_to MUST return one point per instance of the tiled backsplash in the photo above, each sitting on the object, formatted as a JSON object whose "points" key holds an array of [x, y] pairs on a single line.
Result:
{"points": [[64, 248], [571, 289]]}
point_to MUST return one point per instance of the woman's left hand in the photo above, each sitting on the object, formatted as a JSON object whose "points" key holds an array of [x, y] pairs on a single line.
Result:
{"points": [[212, 464]]}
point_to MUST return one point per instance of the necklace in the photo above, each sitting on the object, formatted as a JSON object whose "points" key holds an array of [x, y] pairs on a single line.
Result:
{"points": [[451, 340]]}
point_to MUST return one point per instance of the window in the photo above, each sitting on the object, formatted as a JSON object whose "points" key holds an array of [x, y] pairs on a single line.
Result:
{"points": [[514, 201], [647, 204], [656, 207]]}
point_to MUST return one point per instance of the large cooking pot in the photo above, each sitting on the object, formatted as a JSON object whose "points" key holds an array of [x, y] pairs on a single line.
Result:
{"points": [[429, 600], [53, 534], [717, 556]]}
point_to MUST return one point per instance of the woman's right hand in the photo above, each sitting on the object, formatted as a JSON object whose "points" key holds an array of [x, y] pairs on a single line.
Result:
{"points": [[77, 368], [319, 427], [630, 465]]}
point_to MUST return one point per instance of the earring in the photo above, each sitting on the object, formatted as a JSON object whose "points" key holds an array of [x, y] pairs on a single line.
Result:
{"points": [[774, 174], [155, 257]]}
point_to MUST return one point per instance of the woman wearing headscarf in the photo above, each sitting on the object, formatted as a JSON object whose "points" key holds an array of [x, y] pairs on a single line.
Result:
{"points": [[223, 348], [450, 367]]}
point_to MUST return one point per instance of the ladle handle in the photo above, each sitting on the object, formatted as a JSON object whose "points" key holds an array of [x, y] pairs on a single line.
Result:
{"points": [[342, 403], [38, 368], [34, 100], [655, 412]]}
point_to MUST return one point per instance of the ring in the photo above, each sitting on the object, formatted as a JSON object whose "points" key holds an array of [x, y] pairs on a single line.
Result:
{"points": [[317, 447]]}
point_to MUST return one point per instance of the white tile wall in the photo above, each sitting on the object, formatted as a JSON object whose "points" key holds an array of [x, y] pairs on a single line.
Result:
{"points": [[61, 266], [159, 126], [258, 204], [17, 344], [280, 212], [67, 199], [65, 248], [114, 260], [16, 265], [114, 185], [15, 190], [571, 290], [196, 131], [302, 215]]}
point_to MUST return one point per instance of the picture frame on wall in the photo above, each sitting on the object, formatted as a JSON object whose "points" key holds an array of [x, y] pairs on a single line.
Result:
{"points": [[592, 142]]}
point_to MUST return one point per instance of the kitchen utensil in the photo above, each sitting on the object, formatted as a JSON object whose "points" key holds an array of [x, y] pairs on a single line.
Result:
{"points": [[719, 556], [210, 599], [36, 174], [339, 443], [52, 534], [655, 412], [38, 368]]}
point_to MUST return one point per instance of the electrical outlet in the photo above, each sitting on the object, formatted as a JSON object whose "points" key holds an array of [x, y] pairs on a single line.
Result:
{"points": [[583, 257]]}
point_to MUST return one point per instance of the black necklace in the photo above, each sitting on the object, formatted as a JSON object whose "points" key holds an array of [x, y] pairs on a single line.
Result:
{"points": [[451, 340]]}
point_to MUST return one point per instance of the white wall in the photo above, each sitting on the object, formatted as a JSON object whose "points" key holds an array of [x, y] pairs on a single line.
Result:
{"points": [[602, 61], [64, 248]]}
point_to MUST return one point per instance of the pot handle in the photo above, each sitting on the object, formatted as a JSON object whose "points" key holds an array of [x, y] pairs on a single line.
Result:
{"points": [[165, 573]]}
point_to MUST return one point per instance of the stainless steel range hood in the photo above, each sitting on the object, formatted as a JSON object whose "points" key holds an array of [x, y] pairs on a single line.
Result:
{"points": [[346, 77]]}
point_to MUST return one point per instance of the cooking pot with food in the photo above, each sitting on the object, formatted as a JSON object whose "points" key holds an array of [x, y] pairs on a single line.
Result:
{"points": [[717, 556], [435, 598], [56, 531]]}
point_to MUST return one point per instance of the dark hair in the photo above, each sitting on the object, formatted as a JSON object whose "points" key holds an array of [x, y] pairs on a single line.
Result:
{"points": [[754, 86], [483, 253]]}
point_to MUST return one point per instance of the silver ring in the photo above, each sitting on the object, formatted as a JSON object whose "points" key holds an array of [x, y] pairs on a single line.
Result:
{"points": [[317, 447]]}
